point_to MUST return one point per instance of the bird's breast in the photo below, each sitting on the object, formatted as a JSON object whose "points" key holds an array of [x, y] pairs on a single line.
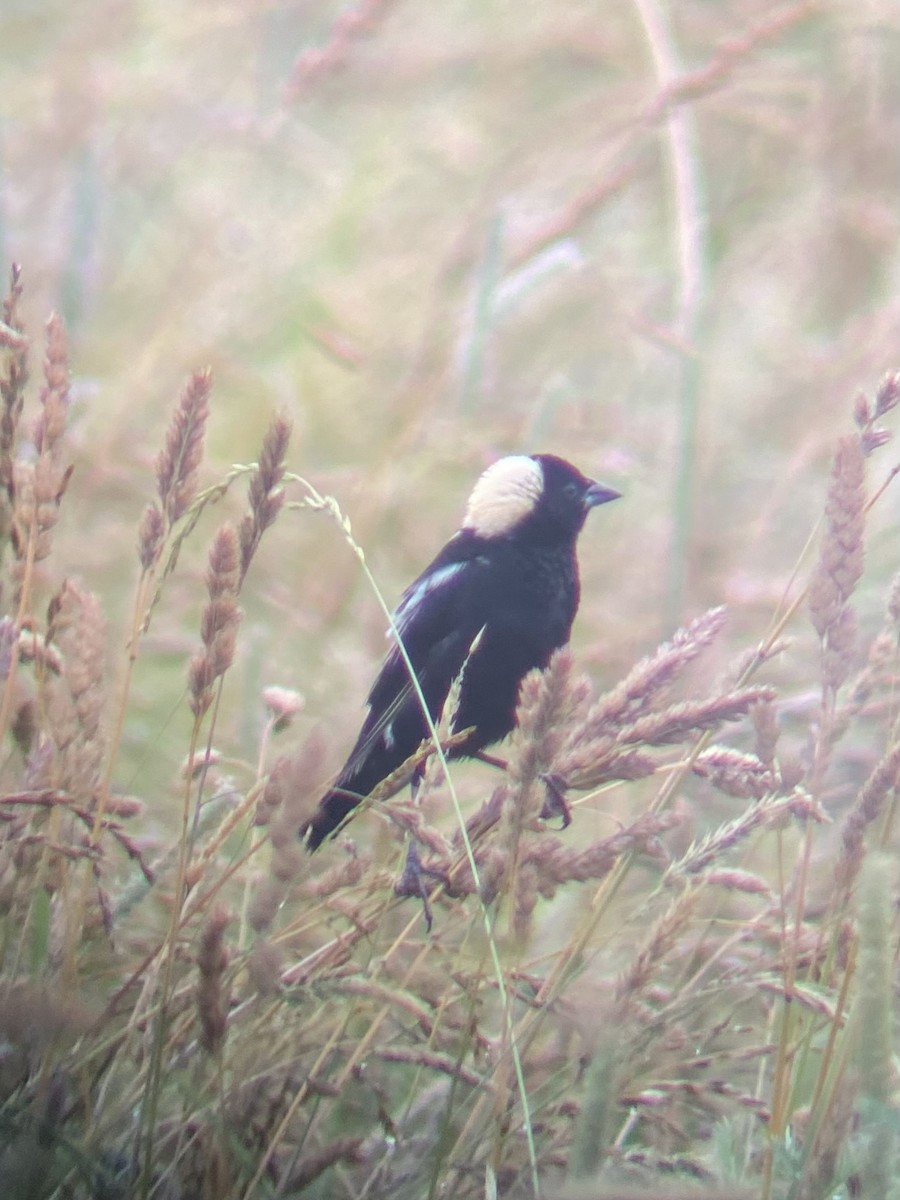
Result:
{"points": [[524, 605]]}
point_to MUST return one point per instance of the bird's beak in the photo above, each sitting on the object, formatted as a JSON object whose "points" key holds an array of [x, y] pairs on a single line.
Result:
{"points": [[599, 493]]}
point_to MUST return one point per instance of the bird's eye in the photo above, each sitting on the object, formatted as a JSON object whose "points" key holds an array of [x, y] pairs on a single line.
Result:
{"points": [[571, 491]]}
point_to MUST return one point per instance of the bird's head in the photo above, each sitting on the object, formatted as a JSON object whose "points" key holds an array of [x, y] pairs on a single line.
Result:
{"points": [[540, 494]]}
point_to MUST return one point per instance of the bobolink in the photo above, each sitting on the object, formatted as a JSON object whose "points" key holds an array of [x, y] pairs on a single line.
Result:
{"points": [[498, 600]]}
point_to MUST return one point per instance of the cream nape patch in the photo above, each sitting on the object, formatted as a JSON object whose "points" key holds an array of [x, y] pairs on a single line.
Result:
{"points": [[504, 495]]}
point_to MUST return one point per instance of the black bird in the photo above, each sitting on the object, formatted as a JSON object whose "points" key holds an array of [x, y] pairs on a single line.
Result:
{"points": [[509, 575]]}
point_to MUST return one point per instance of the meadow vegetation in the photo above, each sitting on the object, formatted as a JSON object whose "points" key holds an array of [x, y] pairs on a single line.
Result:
{"points": [[409, 238]]}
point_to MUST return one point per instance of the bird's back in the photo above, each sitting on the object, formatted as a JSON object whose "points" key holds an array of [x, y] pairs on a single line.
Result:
{"points": [[502, 614]]}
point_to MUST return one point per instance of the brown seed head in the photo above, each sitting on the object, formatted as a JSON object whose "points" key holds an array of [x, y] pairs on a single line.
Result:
{"points": [[265, 496], [213, 995], [841, 558], [179, 461], [51, 423], [151, 534], [219, 622]]}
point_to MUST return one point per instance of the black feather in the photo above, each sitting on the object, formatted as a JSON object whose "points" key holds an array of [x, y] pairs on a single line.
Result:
{"points": [[515, 586]]}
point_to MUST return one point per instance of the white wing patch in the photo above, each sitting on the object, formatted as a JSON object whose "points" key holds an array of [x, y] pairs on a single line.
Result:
{"points": [[504, 495], [413, 596]]}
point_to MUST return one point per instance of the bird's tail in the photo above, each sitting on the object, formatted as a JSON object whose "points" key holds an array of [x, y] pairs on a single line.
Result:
{"points": [[385, 772], [333, 808]]}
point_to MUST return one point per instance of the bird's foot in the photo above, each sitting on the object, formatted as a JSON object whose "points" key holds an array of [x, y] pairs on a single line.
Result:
{"points": [[492, 760], [555, 802], [412, 881]]}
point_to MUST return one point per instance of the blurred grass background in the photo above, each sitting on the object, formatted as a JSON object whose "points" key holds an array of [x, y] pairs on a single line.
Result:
{"points": [[660, 239]]}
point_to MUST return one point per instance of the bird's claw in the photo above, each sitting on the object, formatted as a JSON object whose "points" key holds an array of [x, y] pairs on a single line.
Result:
{"points": [[555, 802], [412, 881]]}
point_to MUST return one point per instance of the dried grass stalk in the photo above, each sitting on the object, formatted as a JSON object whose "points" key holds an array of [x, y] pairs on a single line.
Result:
{"points": [[682, 721], [649, 680], [830, 1138], [765, 726], [598, 1117], [657, 947], [874, 1021], [587, 762], [315, 1162], [213, 994], [264, 966], [291, 788], [347, 873], [151, 536], [178, 463], [12, 385], [33, 1017], [736, 774], [76, 699], [557, 863], [878, 790], [177, 471], [38, 486], [841, 558], [51, 422], [763, 814], [887, 396], [738, 881], [265, 495], [865, 415], [220, 620], [548, 702]]}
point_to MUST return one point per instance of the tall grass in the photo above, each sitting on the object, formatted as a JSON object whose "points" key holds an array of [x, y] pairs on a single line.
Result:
{"points": [[686, 990]]}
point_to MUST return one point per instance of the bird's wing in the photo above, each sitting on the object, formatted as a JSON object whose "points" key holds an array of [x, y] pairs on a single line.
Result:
{"points": [[434, 621], [438, 582]]}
